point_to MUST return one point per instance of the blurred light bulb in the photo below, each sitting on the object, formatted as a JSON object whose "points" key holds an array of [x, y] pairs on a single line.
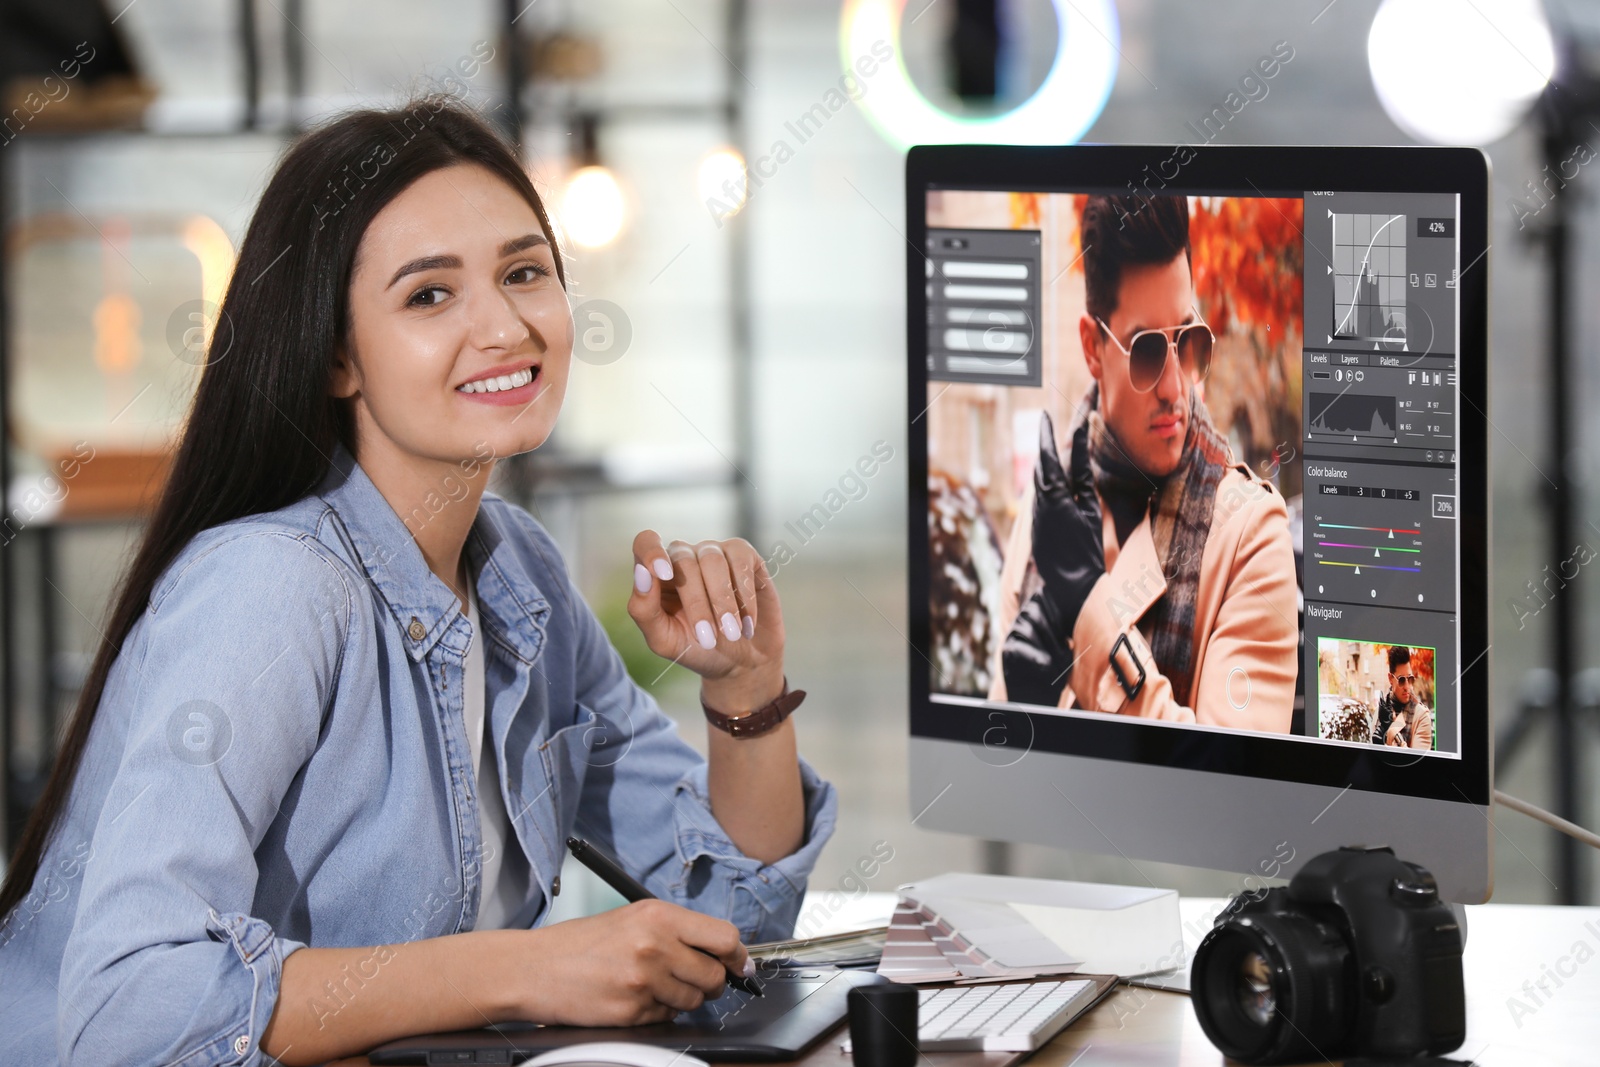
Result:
{"points": [[1459, 74], [723, 186], [592, 207], [210, 245]]}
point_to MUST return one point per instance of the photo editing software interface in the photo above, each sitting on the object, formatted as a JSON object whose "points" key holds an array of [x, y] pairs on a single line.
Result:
{"points": [[1264, 392]]}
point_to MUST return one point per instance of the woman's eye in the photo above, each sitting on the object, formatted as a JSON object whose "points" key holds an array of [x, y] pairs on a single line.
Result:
{"points": [[528, 272], [427, 297]]}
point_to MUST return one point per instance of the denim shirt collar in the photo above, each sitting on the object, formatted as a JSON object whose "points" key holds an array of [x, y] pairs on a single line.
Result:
{"points": [[512, 608]]}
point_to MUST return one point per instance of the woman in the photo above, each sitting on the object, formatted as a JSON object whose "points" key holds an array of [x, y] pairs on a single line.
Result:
{"points": [[264, 834]]}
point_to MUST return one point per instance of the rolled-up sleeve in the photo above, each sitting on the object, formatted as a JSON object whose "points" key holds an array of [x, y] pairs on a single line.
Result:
{"points": [[763, 899], [237, 657], [645, 796]]}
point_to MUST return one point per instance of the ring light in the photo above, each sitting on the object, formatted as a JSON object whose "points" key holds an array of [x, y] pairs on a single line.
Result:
{"points": [[1060, 111]]}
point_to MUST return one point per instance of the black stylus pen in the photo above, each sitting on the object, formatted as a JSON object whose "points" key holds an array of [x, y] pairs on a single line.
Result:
{"points": [[612, 874]]}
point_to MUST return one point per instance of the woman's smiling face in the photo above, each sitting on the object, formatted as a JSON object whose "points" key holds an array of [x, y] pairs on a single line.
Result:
{"points": [[454, 282]]}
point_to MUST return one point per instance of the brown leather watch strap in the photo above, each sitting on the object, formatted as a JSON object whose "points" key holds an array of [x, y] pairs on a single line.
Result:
{"points": [[758, 722]]}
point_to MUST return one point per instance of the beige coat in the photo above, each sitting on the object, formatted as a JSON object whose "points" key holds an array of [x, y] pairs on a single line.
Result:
{"points": [[1246, 633], [1421, 727]]}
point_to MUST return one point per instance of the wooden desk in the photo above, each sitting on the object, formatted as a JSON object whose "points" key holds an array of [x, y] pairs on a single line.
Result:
{"points": [[1512, 1020]]}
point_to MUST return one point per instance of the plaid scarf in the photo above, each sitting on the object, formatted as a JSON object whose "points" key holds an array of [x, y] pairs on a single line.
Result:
{"points": [[1180, 508]]}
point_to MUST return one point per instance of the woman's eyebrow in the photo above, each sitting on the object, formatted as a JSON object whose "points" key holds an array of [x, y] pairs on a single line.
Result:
{"points": [[523, 243], [425, 263], [511, 247]]}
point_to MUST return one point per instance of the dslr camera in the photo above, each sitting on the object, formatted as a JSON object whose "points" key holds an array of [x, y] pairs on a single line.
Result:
{"points": [[1357, 956]]}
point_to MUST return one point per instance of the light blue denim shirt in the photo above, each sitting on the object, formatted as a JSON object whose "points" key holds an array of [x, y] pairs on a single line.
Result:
{"points": [[280, 759]]}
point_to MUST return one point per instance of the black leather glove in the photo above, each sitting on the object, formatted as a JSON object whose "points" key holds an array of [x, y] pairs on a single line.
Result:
{"points": [[1069, 556], [1035, 659], [1068, 550], [1385, 715]]}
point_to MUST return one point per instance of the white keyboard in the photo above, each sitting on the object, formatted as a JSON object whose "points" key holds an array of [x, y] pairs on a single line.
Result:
{"points": [[1003, 1017]]}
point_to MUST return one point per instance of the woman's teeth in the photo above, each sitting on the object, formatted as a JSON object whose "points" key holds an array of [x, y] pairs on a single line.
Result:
{"points": [[496, 385]]}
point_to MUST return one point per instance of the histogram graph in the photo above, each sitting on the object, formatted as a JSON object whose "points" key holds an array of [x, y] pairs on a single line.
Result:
{"points": [[1353, 415], [1369, 277]]}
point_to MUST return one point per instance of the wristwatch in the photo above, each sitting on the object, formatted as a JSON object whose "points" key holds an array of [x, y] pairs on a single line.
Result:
{"points": [[758, 722]]}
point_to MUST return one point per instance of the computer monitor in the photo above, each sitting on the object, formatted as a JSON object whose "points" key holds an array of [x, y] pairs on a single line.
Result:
{"points": [[1198, 527]]}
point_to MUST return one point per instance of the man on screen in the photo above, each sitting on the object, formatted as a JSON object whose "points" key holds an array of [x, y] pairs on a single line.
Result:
{"points": [[1150, 574], [1404, 721]]}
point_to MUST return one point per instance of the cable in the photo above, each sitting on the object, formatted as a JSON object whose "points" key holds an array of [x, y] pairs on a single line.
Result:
{"points": [[1533, 811]]}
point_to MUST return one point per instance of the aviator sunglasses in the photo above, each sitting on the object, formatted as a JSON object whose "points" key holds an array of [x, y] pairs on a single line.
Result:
{"points": [[1147, 351]]}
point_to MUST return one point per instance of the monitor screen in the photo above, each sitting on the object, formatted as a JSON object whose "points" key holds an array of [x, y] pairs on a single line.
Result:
{"points": [[1261, 391], [1199, 460]]}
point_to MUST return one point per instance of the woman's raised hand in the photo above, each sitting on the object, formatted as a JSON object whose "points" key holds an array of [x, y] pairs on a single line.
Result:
{"points": [[710, 606]]}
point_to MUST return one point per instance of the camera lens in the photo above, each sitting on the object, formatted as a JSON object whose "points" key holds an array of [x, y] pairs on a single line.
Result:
{"points": [[1272, 988]]}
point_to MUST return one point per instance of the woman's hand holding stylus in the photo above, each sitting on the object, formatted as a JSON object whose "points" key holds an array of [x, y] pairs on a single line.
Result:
{"points": [[636, 964]]}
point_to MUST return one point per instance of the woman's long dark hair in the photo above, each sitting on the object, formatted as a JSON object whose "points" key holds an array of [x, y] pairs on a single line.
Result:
{"points": [[262, 428]]}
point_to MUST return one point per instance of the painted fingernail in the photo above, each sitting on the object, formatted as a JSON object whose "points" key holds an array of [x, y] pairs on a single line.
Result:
{"points": [[749, 626], [702, 632], [730, 626], [641, 578], [663, 569]]}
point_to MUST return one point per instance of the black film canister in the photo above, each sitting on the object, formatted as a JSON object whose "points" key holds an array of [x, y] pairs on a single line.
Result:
{"points": [[883, 1025]]}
